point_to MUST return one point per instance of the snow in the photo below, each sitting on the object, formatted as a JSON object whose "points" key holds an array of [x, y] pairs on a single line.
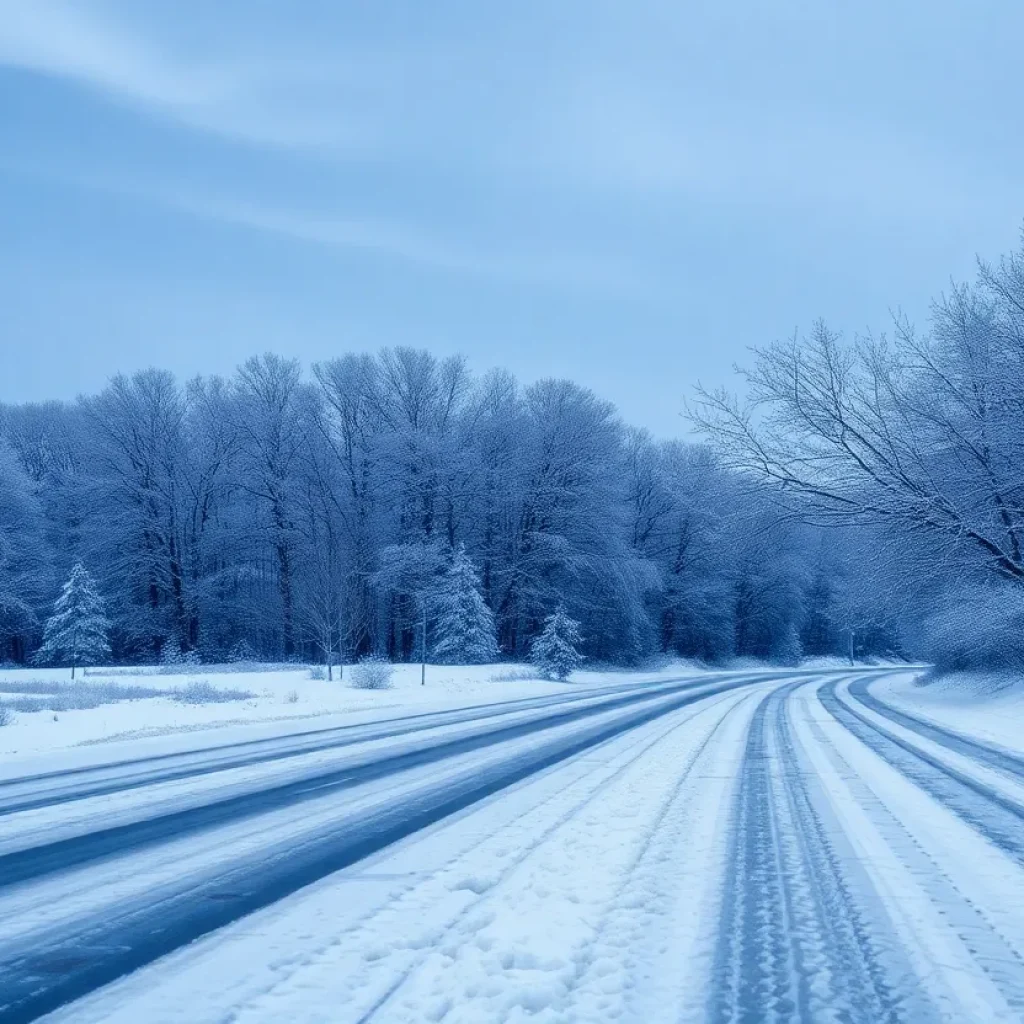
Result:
{"points": [[317, 703], [745, 852], [488, 917], [952, 895], [988, 706]]}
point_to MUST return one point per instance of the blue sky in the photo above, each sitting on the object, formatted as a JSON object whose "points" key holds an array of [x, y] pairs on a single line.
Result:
{"points": [[630, 194]]}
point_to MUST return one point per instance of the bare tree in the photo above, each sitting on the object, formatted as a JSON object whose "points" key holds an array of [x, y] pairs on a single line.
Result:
{"points": [[272, 433], [921, 433]]}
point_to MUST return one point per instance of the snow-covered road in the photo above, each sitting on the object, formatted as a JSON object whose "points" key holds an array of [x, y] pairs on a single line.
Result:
{"points": [[756, 847]]}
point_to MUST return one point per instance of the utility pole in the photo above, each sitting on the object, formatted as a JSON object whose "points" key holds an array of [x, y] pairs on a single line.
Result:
{"points": [[423, 647], [851, 648]]}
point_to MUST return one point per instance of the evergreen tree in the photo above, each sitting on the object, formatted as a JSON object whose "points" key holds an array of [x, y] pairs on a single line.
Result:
{"points": [[556, 651], [787, 649], [464, 625], [76, 633]]}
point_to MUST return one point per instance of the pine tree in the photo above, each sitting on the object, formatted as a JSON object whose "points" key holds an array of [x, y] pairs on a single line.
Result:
{"points": [[786, 648], [556, 651], [76, 633], [464, 625]]}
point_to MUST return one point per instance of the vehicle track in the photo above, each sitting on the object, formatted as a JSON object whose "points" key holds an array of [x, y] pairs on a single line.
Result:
{"points": [[49, 789], [796, 942], [983, 937], [62, 854], [993, 757], [651, 880], [995, 815], [110, 948], [692, 758]]}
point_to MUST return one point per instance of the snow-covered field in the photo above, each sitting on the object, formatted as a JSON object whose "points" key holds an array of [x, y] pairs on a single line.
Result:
{"points": [[282, 699], [746, 846]]}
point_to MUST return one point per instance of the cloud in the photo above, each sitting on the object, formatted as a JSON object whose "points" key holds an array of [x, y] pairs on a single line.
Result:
{"points": [[237, 99], [535, 261], [536, 264]]}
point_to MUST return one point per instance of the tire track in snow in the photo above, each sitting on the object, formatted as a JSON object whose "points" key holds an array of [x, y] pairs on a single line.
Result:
{"points": [[796, 941], [984, 753], [624, 964], [400, 921], [49, 789], [98, 948], [980, 941], [381, 1003], [996, 816]]}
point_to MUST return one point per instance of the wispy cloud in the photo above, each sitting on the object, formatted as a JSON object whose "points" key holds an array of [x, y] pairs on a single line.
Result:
{"points": [[239, 98], [552, 266], [538, 261]]}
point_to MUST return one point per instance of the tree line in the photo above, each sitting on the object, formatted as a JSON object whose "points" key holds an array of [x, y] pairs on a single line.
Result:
{"points": [[293, 514], [867, 494]]}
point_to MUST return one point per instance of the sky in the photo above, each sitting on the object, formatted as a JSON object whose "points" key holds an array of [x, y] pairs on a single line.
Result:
{"points": [[628, 194]]}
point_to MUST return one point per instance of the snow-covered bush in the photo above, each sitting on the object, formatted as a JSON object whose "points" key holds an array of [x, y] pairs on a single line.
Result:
{"points": [[199, 691], [513, 675], [40, 695], [372, 673], [977, 628], [6, 715], [318, 672], [556, 651]]}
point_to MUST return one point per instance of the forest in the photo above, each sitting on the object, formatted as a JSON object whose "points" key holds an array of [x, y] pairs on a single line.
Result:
{"points": [[861, 496]]}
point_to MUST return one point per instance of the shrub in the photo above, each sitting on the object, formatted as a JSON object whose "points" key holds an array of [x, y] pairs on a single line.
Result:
{"points": [[293, 696], [372, 673], [34, 695], [318, 672], [6, 715], [513, 675], [199, 691]]}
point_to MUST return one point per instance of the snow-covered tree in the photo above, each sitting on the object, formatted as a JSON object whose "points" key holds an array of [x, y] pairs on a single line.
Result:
{"points": [[76, 633], [24, 557], [556, 652], [463, 625]]}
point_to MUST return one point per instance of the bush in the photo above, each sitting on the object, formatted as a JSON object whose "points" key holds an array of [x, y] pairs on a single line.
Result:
{"points": [[293, 696], [199, 691], [33, 695], [514, 675], [318, 672], [372, 673], [6, 715]]}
